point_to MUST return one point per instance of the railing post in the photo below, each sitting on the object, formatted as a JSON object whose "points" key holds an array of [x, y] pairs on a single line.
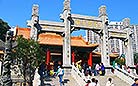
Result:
{"points": [[66, 16]]}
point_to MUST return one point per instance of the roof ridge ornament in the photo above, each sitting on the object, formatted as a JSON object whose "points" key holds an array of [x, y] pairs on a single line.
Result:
{"points": [[102, 11], [126, 23], [67, 5], [35, 10]]}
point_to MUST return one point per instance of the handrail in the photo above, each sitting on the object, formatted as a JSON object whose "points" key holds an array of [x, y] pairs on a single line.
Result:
{"points": [[78, 76], [124, 75]]}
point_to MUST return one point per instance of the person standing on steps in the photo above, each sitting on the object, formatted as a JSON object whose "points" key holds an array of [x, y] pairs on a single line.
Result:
{"points": [[97, 83], [97, 68], [109, 82], [136, 82], [60, 73], [102, 69], [41, 70], [93, 82], [88, 82]]}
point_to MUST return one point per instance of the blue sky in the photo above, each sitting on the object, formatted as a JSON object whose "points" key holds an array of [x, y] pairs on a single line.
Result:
{"points": [[16, 12]]}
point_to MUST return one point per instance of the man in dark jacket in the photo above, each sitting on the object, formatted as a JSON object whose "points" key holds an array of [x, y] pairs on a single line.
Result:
{"points": [[136, 82]]}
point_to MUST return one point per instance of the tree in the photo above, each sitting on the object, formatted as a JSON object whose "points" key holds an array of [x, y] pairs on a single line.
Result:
{"points": [[4, 27], [29, 56]]}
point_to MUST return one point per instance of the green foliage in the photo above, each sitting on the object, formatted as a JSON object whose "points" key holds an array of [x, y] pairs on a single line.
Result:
{"points": [[28, 54], [135, 58], [28, 51], [120, 61], [3, 29]]}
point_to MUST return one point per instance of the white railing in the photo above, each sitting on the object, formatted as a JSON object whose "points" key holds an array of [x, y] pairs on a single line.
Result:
{"points": [[78, 76], [124, 75]]}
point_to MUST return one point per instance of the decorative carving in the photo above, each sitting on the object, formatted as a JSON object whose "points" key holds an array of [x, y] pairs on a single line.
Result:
{"points": [[34, 22], [6, 74], [67, 5], [126, 22], [102, 11], [35, 10]]}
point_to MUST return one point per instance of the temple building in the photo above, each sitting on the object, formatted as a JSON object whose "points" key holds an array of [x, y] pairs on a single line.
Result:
{"points": [[52, 44]]}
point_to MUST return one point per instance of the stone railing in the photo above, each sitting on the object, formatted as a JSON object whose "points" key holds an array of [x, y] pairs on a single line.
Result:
{"points": [[78, 76], [124, 75]]}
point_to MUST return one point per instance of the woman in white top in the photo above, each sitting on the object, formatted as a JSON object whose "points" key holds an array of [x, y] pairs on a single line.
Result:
{"points": [[109, 82], [93, 82]]}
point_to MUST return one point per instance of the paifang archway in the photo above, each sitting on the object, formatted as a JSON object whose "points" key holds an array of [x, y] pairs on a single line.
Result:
{"points": [[71, 22]]}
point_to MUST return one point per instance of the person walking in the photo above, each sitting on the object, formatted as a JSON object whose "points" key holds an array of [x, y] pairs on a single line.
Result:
{"points": [[97, 83], [97, 68], [88, 82], [60, 73], [109, 82], [135, 83], [41, 70], [93, 82], [102, 69]]}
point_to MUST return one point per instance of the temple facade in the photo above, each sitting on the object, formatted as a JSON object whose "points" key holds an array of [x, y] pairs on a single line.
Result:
{"points": [[80, 49]]}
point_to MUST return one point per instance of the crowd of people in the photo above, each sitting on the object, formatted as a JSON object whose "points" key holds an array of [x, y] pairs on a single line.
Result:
{"points": [[97, 69], [53, 70], [127, 68], [94, 82], [46, 71]]}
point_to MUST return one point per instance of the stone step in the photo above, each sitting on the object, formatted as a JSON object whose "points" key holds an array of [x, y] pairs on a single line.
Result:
{"points": [[117, 81], [54, 81], [70, 81]]}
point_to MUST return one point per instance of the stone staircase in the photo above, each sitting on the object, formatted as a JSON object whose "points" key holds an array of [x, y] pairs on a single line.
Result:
{"points": [[54, 81], [70, 81], [78, 79], [117, 81]]}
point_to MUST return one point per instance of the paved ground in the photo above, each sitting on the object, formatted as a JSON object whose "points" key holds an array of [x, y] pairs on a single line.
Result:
{"points": [[70, 81], [54, 81], [117, 81]]}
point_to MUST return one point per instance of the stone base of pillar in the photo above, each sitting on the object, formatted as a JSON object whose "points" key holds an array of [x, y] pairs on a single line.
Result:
{"points": [[108, 70], [67, 70]]}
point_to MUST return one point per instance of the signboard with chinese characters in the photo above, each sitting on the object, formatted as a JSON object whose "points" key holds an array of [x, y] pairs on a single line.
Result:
{"points": [[87, 22], [50, 26], [118, 34]]}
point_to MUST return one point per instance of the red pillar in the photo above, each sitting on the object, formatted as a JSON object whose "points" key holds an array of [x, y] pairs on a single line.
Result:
{"points": [[47, 57], [90, 59], [73, 57]]}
